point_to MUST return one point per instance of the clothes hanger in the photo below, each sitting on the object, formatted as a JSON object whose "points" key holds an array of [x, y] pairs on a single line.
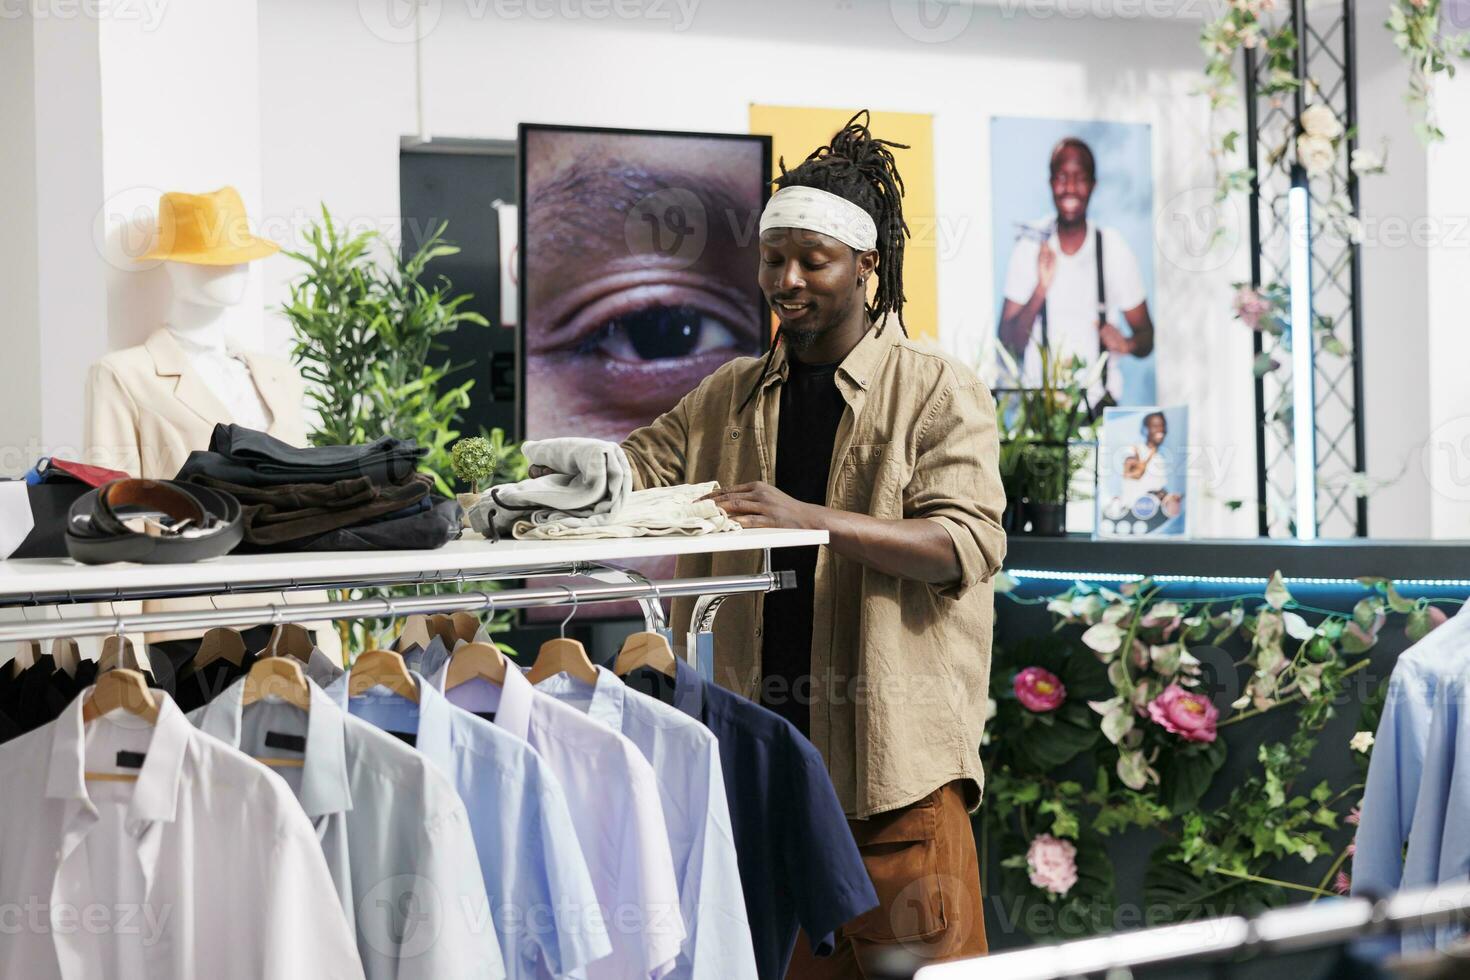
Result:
{"points": [[67, 654], [220, 642], [120, 688], [118, 652], [415, 631], [27, 652], [290, 640], [385, 667], [283, 678], [563, 655], [465, 625], [476, 659], [645, 649], [442, 626], [278, 676]]}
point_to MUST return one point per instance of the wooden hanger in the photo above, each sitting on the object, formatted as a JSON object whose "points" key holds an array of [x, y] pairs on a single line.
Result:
{"points": [[464, 625], [26, 654], [563, 655], [282, 677], [475, 660], [125, 689], [645, 650], [279, 676], [415, 631], [67, 654], [220, 643], [118, 653], [385, 667], [442, 626], [290, 640]]}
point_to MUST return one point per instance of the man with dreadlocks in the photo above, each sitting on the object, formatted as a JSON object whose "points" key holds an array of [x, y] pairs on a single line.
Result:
{"points": [[881, 654]]}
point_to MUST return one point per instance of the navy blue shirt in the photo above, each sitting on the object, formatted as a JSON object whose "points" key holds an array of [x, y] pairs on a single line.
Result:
{"points": [[799, 865]]}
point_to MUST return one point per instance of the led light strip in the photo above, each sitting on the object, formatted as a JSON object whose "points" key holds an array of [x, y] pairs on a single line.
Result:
{"points": [[1303, 372], [1050, 576]]}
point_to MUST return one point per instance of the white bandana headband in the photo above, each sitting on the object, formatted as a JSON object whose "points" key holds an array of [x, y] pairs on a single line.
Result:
{"points": [[823, 212]]}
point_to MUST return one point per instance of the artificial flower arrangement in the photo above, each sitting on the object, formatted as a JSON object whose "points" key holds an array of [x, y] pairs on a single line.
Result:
{"points": [[1112, 724]]}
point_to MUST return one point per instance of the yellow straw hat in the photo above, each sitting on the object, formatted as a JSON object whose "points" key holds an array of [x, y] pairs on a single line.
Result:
{"points": [[206, 229]]}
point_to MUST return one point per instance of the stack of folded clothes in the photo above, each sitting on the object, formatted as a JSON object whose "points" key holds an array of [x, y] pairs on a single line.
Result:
{"points": [[325, 498], [587, 492]]}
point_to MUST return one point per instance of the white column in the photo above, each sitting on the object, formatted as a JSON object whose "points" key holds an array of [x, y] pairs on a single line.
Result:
{"points": [[106, 107]]}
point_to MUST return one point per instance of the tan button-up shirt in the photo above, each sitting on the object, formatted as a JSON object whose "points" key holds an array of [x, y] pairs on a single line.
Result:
{"points": [[900, 669]]}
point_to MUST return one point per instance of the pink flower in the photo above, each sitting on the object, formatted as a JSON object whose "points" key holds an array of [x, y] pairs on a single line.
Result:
{"points": [[1038, 689], [1052, 864], [1354, 816], [1342, 884], [1190, 716], [1250, 306], [1352, 849]]}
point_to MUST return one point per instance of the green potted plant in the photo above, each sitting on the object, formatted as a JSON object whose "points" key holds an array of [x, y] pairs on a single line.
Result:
{"points": [[1053, 419], [367, 324], [474, 461]]}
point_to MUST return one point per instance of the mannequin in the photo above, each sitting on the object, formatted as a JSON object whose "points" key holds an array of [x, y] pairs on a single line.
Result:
{"points": [[207, 309], [148, 407]]}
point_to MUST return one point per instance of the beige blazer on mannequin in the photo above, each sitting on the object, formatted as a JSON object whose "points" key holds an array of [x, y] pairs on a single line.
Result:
{"points": [[147, 409]]}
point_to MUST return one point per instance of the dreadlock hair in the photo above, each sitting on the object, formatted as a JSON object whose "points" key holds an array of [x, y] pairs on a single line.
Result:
{"points": [[859, 167]]}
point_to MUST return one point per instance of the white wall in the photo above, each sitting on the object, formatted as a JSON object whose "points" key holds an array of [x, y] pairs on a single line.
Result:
{"points": [[20, 368], [1445, 458], [104, 108], [1394, 295], [336, 96]]}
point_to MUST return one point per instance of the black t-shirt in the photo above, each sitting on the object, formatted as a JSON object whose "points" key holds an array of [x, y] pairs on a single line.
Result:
{"points": [[811, 407]]}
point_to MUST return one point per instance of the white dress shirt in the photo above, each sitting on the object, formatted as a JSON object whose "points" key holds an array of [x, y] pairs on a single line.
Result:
{"points": [[205, 866], [395, 835], [614, 799], [691, 784]]}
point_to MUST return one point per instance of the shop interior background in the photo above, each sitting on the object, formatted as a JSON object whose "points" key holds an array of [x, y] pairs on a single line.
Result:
{"points": [[301, 103]]}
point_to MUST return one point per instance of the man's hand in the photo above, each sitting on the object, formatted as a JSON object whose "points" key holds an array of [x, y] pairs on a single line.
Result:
{"points": [[762, 505], [1113, 339], [1046, 268]]}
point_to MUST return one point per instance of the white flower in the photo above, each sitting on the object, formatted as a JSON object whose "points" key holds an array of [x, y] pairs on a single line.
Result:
{"points": [[1362, 742], [1365, 161], [1318, 120], [1315, 153]]}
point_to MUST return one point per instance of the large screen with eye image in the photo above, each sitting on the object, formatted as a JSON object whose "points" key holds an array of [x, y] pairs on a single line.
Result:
{"points": [[638, 261]]}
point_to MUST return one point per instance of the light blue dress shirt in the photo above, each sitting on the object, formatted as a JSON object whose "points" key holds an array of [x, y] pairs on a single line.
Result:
{"points": [[691, 785], [619, 819], [1419, 775], [394, 832], [543, 903]]}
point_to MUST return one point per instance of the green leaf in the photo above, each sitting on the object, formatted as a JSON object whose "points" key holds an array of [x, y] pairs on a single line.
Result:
{"points": [[1397, 602], [1185, 774], [1277, 595], [1418, 624], [1173, 892]]}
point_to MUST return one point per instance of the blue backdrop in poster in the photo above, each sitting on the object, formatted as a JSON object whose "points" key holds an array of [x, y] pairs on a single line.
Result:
{"points": [[1020, 154]]}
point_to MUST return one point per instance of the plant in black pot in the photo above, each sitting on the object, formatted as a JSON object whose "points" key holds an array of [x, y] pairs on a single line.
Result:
{"points": [[1053, 421]]}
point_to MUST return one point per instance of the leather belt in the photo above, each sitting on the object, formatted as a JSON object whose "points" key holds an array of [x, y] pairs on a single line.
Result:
{"points": [[153, 522]]}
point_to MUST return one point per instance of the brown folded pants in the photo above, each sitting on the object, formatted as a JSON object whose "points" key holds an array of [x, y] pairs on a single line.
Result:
{"points": [[924, 868]]}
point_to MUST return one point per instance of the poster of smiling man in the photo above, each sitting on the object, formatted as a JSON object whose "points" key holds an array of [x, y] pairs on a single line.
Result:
{"points": [[1073, 249]]}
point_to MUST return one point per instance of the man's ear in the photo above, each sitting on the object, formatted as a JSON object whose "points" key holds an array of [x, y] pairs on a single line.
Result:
{"points": [[866, 263]]}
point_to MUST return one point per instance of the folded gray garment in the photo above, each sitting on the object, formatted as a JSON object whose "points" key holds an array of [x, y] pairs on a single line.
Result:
{"points": [[588, 476]]}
